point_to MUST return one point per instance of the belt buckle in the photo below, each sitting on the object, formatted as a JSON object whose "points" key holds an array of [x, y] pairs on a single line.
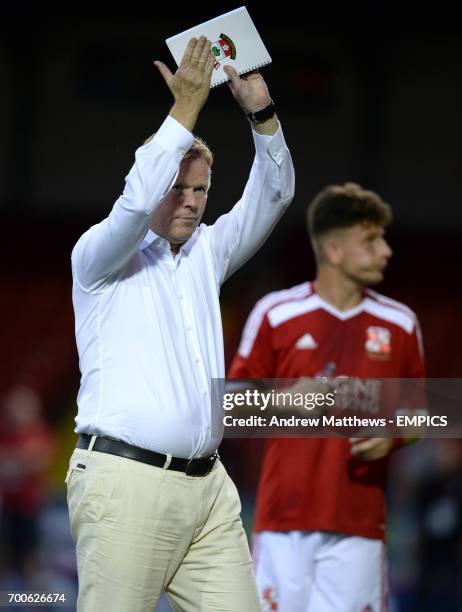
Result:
{"points": [[190, 471]]}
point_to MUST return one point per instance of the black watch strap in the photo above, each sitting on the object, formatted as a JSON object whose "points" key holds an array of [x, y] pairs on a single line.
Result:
{"points": [[262, 115]]}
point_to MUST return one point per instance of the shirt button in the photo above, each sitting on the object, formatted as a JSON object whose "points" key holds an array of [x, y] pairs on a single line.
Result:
{"points": [[188, 328], [204, 393], [181, 296], [198, 360]]}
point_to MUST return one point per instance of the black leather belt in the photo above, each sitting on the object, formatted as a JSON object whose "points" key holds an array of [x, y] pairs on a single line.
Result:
{"points": [[191, 467]]}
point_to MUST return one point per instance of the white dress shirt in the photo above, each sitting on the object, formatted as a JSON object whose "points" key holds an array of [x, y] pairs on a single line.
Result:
{"points": [[148, 325]]}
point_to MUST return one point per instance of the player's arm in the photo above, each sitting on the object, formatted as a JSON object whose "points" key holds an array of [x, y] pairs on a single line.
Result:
{"points": [[254, 365], [415, 401], [254, 359]]}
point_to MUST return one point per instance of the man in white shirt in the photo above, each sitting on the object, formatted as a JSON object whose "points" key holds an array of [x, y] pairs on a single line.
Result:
{"points": [[151, 506]]}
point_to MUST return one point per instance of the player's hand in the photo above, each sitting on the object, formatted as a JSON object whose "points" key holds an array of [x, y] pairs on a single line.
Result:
{"points": [[371, 449], [190, 85]]}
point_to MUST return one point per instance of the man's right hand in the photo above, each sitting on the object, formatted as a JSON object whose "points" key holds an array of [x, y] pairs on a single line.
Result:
{"points": [[190, 85]]}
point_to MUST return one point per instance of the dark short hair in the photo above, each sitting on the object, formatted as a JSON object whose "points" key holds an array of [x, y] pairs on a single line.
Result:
{"points": [[342, 206]]}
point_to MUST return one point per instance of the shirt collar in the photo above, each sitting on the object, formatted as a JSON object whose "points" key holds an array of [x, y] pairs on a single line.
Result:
{"points": [[340, 314], [151, 239]]}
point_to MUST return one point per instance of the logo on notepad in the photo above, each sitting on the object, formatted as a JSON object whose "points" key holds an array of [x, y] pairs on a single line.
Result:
{"points": [[223, 49]]}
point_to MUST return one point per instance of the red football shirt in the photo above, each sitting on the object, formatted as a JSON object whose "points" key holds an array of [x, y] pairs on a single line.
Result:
{"points": [[314, 484]]}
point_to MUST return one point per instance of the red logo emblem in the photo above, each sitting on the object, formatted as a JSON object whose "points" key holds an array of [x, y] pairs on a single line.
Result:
{"points": [[269, 599], [223, 49], [378, 342]]}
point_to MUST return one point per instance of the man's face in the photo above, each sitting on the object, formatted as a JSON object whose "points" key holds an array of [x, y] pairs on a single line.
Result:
{"points": [[361, 253], [181, 210]]}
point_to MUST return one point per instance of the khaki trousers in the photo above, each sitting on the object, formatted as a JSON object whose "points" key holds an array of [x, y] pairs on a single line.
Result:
{"points": [[140, 530]]}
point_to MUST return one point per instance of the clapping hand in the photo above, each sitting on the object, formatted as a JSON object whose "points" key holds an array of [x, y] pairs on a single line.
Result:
{"points": [[190, 85]]}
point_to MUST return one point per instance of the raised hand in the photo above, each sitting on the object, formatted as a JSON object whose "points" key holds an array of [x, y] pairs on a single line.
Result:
{"points": [[190, 85], [249, 90], [251, 93]]}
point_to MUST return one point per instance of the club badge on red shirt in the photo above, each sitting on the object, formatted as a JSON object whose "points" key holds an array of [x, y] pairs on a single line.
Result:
{"points": [[269, 597], [378, 342]]}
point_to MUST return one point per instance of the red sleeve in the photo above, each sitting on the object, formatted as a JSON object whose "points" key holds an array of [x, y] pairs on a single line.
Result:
{"points": [[413, 396], [255, 357], [414, 362]]}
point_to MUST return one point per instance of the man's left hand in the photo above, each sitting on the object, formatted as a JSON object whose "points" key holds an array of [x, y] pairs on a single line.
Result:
{"points": [[371, 449], [249, 90]]}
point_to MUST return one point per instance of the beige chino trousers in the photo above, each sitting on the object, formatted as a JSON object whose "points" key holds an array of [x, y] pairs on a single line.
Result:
{"points": [[140, 530]]}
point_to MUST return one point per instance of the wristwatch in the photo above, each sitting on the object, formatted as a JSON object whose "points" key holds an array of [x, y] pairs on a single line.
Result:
{"points": [[262, 115]]}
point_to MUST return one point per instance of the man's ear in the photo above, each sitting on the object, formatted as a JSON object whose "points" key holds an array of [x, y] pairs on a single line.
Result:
{"points": [[331, 247]]}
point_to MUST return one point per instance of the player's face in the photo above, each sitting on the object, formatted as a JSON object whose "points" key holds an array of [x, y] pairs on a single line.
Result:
{"points": [[181, 210], [363, 253]]}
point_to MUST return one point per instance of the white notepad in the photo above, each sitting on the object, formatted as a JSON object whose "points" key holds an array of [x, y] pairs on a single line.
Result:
{"points": [[235, 41]]}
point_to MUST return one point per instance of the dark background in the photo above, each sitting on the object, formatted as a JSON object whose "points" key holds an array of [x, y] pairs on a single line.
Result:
{"points": [[368, 92]]}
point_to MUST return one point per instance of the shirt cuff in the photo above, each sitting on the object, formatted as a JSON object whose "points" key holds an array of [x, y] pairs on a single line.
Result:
{"points": [[172, 136], [274, 146]]}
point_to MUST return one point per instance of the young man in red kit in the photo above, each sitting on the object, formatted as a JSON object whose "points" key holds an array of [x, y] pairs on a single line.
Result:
{"points": [[320, 515]]}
